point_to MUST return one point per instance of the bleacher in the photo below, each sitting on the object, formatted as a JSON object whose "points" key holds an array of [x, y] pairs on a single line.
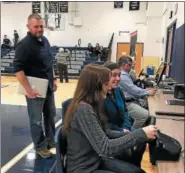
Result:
{"points": [[7, 57], [77, 61]]}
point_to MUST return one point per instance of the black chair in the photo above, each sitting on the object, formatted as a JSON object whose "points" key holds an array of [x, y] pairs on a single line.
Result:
{"points": [[61, 148], [65, 105], [61, 143]]}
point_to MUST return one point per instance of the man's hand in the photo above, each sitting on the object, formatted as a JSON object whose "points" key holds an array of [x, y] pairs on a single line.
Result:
{"points": [[152, 91], [55, 85], [32, 94]]}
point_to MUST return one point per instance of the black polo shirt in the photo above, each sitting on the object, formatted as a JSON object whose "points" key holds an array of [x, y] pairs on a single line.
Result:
{"points": [[34, 57]]}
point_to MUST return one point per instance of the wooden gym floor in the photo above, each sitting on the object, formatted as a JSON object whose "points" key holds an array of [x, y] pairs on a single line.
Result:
{"points": [[10, 98]]}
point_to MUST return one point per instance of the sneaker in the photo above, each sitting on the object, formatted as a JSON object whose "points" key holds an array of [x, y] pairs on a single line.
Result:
{"points": [[44, 153]]}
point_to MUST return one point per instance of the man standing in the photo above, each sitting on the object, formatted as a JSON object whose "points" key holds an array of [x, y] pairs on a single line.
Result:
{"points": [[16, 38], [62, 62], [34, 58]]}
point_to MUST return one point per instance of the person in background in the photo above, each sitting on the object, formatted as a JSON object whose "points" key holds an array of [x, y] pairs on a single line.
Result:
{"points": [[101, 49], [97, 50], [90, 50], [142, 83], [103, 54], [132, 72], [6, 43], [62, 62], [34, 58], [131, 91], [16, 38], [92, 148]]}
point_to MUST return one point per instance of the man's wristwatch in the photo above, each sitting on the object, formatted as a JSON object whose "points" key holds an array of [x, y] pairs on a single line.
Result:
{"points": [[54, 78]]}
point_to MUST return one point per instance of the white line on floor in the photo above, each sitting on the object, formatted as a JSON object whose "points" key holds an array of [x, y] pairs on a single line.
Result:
{"points": [[20, 155]]}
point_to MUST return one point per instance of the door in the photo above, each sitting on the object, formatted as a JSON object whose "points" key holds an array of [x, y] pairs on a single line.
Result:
{"points": [[124, 49], [138, 57]]}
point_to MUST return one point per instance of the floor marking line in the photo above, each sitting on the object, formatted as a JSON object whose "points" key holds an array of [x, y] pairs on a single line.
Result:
{"points": [[20, 155]]}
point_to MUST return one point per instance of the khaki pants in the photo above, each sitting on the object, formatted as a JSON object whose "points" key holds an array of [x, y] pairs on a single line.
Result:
{"points": [[139, 114]]}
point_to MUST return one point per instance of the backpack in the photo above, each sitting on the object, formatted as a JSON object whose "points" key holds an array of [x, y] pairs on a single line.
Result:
{"points": [[164, 148]]}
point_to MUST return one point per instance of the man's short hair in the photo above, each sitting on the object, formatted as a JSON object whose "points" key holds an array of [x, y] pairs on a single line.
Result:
{"points": [[111, 65], [124, 60], [34, 16]]}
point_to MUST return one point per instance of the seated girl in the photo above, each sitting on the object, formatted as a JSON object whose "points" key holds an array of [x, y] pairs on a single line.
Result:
{"points": [[90, 147], [119, 117], [90, 49]]}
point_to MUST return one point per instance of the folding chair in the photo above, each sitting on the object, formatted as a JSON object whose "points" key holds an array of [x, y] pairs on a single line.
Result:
{"points": [[65, 105], [61, 148]]}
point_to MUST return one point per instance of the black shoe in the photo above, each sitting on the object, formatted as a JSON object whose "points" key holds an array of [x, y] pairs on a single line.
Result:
{"points": [[51, 145]]}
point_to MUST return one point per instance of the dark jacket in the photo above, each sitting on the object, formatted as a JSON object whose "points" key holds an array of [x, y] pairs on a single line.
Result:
{"points": [[34, 57]]}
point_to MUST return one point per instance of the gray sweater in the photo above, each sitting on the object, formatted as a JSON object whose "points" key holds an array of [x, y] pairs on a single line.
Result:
{"points": [[87, 142], [63, 57]]}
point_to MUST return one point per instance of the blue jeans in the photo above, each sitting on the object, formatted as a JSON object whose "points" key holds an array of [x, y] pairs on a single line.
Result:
{"points": [[109, 165], [36, 108]]}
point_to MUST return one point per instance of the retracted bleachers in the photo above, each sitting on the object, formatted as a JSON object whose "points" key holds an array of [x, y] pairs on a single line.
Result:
{"points": [[7, 57], [78, 60]]}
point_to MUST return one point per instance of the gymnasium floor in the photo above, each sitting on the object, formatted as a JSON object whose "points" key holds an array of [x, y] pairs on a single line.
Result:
{"points": [[17, 154]]}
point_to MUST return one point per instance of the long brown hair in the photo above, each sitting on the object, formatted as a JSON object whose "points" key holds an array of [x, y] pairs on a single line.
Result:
{"points": [[89, 89]]}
